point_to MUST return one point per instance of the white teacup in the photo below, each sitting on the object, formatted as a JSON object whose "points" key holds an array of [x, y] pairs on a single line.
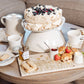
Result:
{"points": [[74, 36], [15, 43]]}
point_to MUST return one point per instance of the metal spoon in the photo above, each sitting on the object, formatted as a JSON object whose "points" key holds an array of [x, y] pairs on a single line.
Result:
{"points": [[46, 45]]}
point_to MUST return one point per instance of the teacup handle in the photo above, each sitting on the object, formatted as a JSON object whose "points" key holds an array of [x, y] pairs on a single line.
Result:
{"points": [[2, 20]]}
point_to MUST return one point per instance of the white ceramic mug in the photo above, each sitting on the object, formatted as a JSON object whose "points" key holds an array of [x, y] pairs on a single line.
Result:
{"points": [[15, 43], [12, 22], [74, 36]]}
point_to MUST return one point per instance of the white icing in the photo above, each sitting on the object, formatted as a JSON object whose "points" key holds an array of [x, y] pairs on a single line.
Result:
{"points": [[38, 27], [42, 22]]}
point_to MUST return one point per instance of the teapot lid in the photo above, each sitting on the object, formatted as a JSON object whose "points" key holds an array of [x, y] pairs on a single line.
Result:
{"points": [[14, 15]]}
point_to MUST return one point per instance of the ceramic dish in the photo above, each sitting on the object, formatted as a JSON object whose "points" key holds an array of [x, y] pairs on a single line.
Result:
{"points": [[8, 61]]}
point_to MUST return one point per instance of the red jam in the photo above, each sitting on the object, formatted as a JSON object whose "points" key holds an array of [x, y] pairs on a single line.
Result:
{"points": [[54, 49]]}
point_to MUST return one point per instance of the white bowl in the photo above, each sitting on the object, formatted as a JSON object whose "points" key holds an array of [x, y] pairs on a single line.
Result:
{"points": [[27, 32], [52, 37]]}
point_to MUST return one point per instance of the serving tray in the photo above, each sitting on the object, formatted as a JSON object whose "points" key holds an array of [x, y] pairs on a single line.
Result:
{"points": [[45, 65]]}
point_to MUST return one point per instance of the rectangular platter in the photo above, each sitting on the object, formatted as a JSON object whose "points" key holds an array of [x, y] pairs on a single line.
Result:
{"points": [[47, 65]]}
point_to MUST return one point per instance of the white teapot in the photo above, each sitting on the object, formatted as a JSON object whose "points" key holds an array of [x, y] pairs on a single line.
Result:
{"points": [[12, 24]]}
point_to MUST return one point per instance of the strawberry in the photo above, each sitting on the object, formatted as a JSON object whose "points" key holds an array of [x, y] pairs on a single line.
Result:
{"points": [[51, 9], [67, 50], [57, 57], [46, 11]]}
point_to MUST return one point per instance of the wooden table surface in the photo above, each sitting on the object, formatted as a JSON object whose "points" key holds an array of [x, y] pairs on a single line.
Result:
{"points": [[11, 74]]}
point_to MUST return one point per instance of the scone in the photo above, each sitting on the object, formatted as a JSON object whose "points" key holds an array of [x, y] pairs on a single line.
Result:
{"points": [[42, 17], [74, 50], [66, 57], [61, 49], [71, 52]]}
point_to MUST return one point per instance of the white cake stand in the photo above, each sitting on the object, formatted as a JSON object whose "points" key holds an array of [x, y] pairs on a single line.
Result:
{"points": [[53, 37]]}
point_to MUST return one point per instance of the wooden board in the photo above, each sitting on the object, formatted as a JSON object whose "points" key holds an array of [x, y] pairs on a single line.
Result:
{"points": [[11, 72]]}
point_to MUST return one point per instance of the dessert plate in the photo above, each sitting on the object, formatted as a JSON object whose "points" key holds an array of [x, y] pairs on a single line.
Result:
{"points": [[8, 61]]}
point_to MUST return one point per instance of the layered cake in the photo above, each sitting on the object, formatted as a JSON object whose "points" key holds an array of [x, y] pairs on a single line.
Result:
{"points": [[42, 17]]}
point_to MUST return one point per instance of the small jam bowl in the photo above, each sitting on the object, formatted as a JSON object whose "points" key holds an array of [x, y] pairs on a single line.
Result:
{"points": [[53, 52]]}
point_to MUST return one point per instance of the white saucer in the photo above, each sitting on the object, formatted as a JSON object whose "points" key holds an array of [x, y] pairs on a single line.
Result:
{"points": [[10, 60], [76, 45], [7, 62]]}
